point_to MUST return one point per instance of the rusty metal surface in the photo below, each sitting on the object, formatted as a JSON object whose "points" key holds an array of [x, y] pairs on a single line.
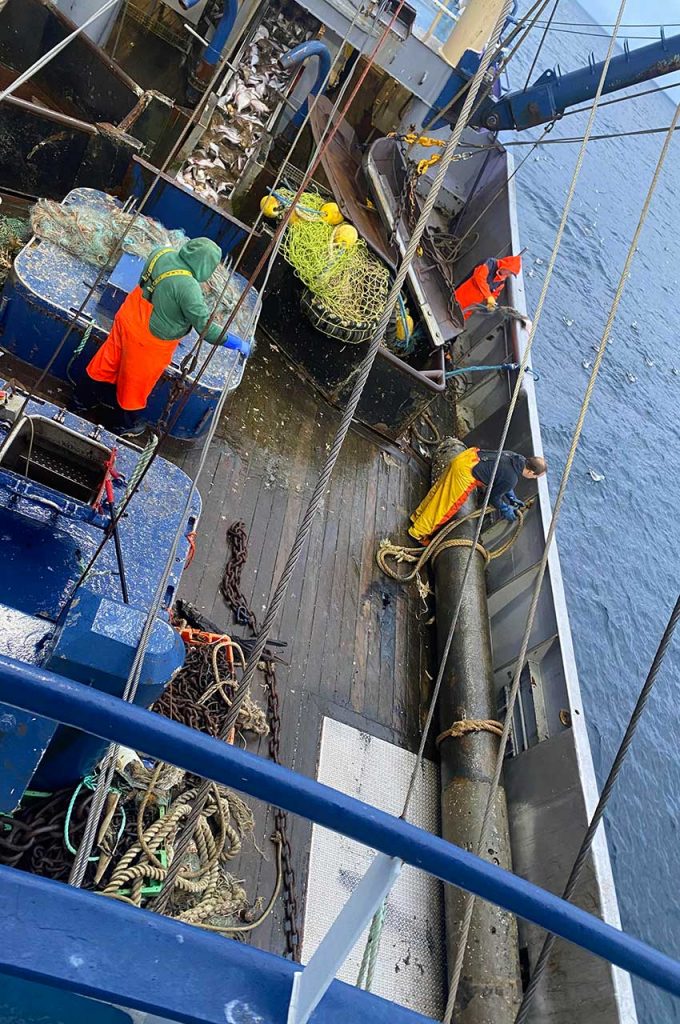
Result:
{"points": [[342, 164], [490, 984]]}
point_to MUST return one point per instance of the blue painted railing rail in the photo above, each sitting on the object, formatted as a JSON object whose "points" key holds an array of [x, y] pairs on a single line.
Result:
{"points": [[50, 696]]}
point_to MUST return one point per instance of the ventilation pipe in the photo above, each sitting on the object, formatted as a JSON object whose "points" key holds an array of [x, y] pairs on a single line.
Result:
{"points": [[300, 55], [212, 54]]}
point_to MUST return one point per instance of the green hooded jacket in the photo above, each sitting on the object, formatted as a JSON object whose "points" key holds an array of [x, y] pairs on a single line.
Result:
{"points": [[178, 302]]}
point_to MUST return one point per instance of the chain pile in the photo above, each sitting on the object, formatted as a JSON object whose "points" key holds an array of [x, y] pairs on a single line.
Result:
{"points": [[136, 841], [230, 588], [230, 584], [200, 694], [33, 838]]}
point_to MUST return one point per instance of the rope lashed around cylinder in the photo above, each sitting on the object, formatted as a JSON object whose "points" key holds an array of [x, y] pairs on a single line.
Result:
{"points": [[465, 726], [441, 542]]}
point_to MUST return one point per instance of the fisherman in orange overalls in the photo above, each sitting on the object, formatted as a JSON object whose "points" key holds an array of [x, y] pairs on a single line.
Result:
{"points": [[160, 311], [486, 282]]}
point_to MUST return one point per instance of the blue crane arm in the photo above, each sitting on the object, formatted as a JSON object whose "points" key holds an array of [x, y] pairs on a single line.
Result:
{"points": [[553, 93]]}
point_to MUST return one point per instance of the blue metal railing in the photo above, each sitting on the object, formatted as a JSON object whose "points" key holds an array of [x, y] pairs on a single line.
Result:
{"points": [[48, 695]]}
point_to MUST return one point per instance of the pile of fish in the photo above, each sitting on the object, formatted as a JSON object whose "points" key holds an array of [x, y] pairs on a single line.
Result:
{"points": [[238, 124]]}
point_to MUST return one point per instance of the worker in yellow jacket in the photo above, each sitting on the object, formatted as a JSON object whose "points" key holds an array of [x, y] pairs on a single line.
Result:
{"points": [[470, 469]]}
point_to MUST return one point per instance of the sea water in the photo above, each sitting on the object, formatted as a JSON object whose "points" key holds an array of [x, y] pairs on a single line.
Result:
{"points": [[619, 529]]}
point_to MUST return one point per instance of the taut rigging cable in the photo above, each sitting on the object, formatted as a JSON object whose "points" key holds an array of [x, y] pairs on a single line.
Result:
{"points": [[108, 764], [347, 417]]}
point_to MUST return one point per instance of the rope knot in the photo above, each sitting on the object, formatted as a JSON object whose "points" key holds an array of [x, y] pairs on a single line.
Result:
{"points": [[465, 726]]}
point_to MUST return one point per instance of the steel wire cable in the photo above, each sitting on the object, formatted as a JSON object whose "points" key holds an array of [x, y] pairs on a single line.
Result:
{"points": [[513, 402], [276, 242], [348, 414], [541, 42], [271, 248], [508, 419], [514, 690], [108, 763], [598, 814], [623, 99], [45, 59], [593, 138]]}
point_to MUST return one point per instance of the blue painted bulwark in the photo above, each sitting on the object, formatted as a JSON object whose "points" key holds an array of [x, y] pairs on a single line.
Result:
{"points": [[41, 692], [71, 939], [299, 55]]}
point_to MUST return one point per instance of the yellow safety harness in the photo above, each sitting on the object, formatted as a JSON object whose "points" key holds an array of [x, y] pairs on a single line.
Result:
{"points": [[150, 282]]}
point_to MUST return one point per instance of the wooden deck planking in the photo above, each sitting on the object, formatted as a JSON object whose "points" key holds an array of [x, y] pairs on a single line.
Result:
{"points": [[354, 644]]}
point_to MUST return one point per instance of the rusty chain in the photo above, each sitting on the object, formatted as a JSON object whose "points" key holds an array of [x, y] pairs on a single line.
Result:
{"points": [[230, 588], [230, 584], [291, 909]]}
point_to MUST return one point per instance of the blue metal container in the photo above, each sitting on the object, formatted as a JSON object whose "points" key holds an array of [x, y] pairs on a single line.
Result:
{"points": [[48, 286], [49, 534]]}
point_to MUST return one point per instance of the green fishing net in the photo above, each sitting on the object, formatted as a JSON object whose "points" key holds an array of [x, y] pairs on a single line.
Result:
{"points": [[351, 284], [92, 233], [14, 233]]}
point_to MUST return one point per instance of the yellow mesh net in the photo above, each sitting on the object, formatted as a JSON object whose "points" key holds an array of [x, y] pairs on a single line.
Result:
{"points": [[349, 283]]}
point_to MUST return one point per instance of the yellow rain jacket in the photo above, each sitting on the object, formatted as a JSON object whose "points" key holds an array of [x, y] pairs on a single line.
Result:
{"points": [[446, 496]]}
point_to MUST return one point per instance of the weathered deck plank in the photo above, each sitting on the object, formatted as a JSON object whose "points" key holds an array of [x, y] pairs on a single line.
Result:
{"points": [[355, 644]]}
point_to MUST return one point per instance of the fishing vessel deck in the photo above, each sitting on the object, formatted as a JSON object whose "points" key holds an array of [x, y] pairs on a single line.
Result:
{"points": [[358, 646], [357, 642]]}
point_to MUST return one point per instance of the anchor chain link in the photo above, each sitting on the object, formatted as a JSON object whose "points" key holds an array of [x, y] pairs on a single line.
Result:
{"points": [[230, 588]]}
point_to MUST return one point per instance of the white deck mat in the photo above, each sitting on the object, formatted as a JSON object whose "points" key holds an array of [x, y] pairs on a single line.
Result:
{"points": [[411, 964]]}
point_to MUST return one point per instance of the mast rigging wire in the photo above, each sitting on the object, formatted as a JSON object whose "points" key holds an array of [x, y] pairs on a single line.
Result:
{"points": [[108, 764], [45, 59], [622, 99], [274, 245], [317, 496], [598, 813], [514, 689], [541, 42], [89, 836], [271, 252], [579, 138], [455, 979]]}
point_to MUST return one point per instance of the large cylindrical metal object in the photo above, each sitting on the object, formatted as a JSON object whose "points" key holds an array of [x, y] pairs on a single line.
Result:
{"points": [[490, 984], [472, 30]]}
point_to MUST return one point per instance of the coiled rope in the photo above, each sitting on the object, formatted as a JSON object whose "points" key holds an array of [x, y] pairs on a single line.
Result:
{"points": [[465, 726], [440, 542]]}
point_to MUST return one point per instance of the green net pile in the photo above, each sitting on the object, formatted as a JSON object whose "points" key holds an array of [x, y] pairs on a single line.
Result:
{"points": [[351, 284], [92, 233], [14, 233]]}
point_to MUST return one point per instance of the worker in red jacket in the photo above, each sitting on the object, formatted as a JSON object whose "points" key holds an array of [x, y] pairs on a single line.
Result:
{"points": [[486, 282]]}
